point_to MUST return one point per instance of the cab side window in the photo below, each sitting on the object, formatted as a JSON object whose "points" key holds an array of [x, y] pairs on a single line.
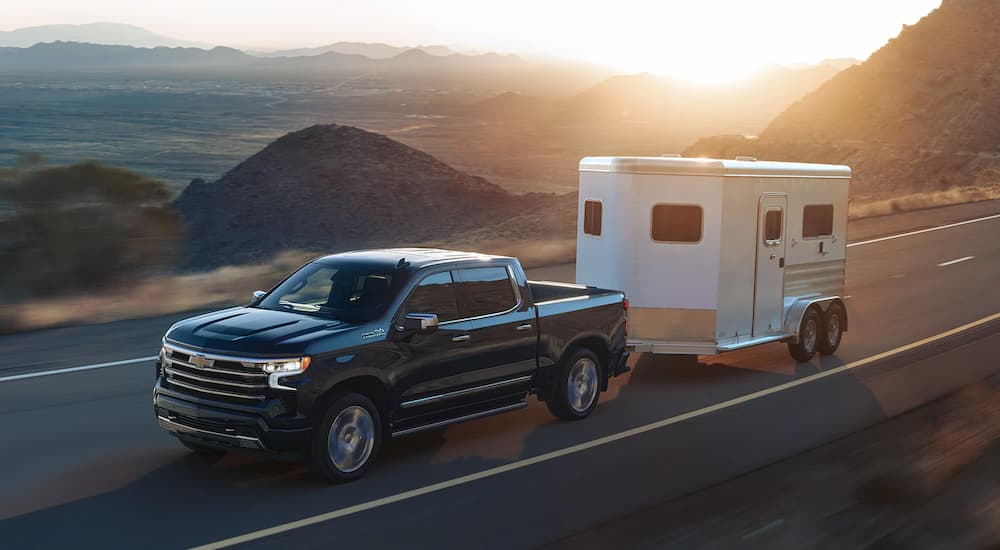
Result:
{"points": [[434, 294], [484, 291]]}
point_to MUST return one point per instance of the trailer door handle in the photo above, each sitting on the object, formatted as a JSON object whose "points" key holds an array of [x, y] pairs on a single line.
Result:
{"points": [[523, 328], [462, 338], [781, 263]]}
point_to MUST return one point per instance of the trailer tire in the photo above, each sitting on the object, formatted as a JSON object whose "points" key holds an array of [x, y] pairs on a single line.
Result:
{"points": [[832, 329], [809, 336], [347, 439], [577, 386]]}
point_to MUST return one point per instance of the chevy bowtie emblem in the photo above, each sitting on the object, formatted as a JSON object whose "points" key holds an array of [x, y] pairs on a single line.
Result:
{"points": [[201, 361]]}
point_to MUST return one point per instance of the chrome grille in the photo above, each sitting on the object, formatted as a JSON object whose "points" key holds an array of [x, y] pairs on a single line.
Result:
{"points": [[213, 375]]}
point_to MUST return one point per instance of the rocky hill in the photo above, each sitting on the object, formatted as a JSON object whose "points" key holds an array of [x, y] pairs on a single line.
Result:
{"points": [[919, 116], [330, 188]]}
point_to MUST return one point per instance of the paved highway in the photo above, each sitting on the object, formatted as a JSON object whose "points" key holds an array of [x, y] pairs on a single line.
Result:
{"points": [[84, 463]]}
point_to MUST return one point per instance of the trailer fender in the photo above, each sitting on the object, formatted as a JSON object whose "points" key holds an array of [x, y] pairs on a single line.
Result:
{"points": [[793, 320]]}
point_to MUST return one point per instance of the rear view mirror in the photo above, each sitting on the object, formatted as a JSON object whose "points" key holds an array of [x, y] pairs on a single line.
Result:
{"points": [[420, 322], [257, 295]]}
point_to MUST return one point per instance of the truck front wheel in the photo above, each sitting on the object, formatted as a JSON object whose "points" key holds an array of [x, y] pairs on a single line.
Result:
{"points": [[347, 439], [578, 386]]}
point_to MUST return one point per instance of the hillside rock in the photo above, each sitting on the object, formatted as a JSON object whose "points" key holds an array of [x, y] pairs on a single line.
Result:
{"points": [[330, 188], [920, 115]]}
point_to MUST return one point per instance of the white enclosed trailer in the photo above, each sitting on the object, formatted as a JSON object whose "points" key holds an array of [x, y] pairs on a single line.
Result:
{"points": [[718, 255]]}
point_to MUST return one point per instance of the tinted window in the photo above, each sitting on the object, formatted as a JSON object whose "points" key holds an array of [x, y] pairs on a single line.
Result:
{"points": [[348, 292], [772, 225], [435, 294], [592, 213], [676, 223], [817, 220], [484, 290]]}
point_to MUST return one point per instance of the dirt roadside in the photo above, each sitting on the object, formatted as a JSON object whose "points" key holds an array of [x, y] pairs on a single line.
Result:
{"points": [[927, 479]]}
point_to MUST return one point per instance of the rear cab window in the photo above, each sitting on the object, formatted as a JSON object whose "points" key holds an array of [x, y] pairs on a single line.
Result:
{"points": [[484, 291]]}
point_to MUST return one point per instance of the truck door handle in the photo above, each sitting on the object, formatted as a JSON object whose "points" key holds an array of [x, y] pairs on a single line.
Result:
{"points": [[523, 328], [462, 338]]}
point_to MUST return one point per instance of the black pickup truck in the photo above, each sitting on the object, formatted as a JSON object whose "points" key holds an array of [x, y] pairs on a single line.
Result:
{"points": [[357, 347]]}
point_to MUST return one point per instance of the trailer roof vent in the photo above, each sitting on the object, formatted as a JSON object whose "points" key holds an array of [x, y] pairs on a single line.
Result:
{"points": [[747, 159], [671, 155]]}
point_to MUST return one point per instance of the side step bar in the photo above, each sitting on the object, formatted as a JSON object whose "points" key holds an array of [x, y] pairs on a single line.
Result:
{"points": [[457, 419]]}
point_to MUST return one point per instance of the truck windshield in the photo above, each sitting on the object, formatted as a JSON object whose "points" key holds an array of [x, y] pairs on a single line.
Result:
{"points": [[348, 292]]}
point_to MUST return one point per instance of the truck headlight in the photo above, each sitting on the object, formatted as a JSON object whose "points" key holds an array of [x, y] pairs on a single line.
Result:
{"points": [[291, 366]]}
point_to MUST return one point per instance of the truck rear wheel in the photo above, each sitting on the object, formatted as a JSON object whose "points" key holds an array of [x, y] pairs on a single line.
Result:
{"points": [[833, 329], [578, 386], [347, 439], [809, 336]]}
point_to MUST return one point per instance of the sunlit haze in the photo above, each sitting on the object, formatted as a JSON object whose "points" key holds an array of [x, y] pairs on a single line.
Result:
{"points": [[708, 40]]}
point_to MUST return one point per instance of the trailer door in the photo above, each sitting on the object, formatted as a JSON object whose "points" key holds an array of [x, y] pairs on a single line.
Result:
{"points": [[769, 292]]}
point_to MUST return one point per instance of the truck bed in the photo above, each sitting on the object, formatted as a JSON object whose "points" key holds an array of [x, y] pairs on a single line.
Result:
{"points": [[547, 291]]}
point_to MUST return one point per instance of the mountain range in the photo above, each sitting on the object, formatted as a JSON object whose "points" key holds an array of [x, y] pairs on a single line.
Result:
{"points": [[93, 33], [376, 50]]}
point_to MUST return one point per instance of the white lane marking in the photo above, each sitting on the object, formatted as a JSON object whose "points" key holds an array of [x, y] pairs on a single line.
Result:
{"points": [[928, 230], [75, 369], [469, 478], [141, 359], [958, 261]]}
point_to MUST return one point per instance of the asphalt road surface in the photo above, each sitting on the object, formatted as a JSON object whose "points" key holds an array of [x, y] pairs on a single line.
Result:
{"points": [[84, 464]]}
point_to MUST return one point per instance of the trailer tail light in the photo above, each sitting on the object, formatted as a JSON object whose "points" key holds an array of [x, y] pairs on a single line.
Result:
{"points": [[625, 305]]}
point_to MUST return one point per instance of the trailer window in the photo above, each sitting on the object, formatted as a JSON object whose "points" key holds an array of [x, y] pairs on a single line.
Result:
{"points": [[435, 294], [592, 214], [817, 221], [676, 223], [772, 226], [484, 291]]}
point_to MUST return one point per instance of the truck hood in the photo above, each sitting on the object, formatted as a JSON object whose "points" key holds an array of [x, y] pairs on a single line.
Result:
{"points": [[254, 331]]}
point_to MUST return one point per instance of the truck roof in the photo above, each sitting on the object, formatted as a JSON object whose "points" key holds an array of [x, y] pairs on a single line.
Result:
{"points": [[742, 166], [415, 257]]}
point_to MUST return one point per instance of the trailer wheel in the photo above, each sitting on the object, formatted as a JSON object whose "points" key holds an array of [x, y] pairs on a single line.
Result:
{"points": [[347, 439], [809, 336], [833, 329], [578, 386]]}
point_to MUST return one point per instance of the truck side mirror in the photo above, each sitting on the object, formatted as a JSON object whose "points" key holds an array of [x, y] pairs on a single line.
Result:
{"points": [[257, 295], [423, 323]]}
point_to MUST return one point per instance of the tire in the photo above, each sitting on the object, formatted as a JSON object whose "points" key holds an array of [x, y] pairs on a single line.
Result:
{"points": [[832, 329], [202, 450], [809, 336], [578, 386], [354, 424]]}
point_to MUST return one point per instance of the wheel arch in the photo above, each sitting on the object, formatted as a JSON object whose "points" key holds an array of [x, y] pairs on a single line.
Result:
{"points": [[793, 320], [599, 346], [369, 385]]}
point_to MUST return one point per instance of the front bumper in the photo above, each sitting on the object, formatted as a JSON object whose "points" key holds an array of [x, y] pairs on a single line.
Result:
{"points": [[220, 427]]}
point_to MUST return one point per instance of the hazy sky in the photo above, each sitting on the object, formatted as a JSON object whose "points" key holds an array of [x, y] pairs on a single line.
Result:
{"points": [[693, 38]]}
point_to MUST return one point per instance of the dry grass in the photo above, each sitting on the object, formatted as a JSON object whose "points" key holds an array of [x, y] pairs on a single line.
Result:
{"points": [[154, 296], [226, 286], [222, 287], [919, 201]]}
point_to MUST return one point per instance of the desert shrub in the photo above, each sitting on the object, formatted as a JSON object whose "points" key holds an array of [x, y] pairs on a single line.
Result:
{"points": [[80, 227]]}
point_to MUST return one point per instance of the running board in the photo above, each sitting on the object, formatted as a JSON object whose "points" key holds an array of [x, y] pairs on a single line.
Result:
{"points": [[457, 419]]}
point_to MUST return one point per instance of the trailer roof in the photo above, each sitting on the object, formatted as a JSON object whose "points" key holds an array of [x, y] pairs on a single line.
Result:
{"points": [[712, 167]]}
